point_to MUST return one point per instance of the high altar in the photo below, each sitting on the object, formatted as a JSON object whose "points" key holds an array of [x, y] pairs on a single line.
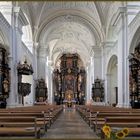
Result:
{"points": [[69, 81]]}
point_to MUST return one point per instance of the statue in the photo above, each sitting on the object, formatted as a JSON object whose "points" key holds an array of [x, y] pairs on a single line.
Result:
{"points": [[6, 85]]}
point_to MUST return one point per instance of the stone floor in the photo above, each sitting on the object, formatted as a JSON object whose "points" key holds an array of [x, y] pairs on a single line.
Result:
{"points": [[70, 125]]}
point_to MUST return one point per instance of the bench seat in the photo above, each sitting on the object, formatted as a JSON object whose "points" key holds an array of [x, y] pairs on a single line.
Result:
{"points": [[19, 131], [134, 131]]}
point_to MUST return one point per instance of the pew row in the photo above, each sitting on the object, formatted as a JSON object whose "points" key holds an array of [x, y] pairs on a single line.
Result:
{"points": [[23, 126]]}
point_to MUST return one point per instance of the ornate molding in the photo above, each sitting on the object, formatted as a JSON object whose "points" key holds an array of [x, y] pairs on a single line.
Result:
{"points": [[5, 29], [19, 14], [133, 26], [4, 21], [83, 19]]}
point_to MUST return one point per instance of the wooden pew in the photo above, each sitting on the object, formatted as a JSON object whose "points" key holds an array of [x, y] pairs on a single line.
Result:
{"points": [[123, 121], [130, 122], [19, 131], [45, 115], [134, 131], [97, 114], [41, 119], [99, 118], [51, 111], [19, 126]]}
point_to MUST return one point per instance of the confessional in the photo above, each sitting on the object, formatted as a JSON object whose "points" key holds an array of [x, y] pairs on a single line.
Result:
{"points": [[69, 81], [4, 77], [41, 93]]}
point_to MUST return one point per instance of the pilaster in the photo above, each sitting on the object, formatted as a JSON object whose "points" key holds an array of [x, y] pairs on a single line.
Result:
{"points": [[97, 62], [88, 87], [107, 88], [15, 50], [123, 65]]}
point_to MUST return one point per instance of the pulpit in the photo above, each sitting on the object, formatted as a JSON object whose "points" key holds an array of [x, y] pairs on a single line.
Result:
{"points": [[24, 89]]}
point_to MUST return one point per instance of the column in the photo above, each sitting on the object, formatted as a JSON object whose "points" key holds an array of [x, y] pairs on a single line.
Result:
{"points": [[105, 47], [103, 61], [13, 97], [88, 86], [90, 78], [34, 64], [107, 88], [50, 90], [97, 63], [123, 64], [18, 20], [41, 63], [49, 79]]}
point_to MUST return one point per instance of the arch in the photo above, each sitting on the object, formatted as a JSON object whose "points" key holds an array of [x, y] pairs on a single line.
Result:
{"points": [[27, 36], [110, 20], [91, 23], [112, 72], [60, 48], [135, 41], [112, 62], [47, 30]]}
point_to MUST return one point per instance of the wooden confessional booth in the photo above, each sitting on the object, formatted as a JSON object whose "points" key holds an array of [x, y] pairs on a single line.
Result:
{"points": [[69, 81]]}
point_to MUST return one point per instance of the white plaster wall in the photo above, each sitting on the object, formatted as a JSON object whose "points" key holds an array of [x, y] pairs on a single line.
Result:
{"points": [[113, 83], [97, 64], [41, 67], [24, 53]]}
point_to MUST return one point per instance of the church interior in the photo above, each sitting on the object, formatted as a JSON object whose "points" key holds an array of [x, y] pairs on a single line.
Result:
{"points": [[70, 69]]}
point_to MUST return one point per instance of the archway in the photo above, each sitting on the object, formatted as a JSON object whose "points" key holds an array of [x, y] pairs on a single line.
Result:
{"points": [[112, 81]]}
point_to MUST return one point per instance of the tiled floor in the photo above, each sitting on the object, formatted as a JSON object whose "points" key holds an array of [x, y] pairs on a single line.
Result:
{"points": [[70, 125]]}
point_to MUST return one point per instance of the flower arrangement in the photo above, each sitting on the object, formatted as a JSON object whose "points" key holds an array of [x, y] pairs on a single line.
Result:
{"points": [[114, 134]]}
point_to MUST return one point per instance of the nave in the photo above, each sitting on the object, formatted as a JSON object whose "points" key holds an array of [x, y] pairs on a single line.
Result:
{"points": [[70, 125]]}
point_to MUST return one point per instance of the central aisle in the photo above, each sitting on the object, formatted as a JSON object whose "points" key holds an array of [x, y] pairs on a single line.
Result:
{"points": [[70, 125]]}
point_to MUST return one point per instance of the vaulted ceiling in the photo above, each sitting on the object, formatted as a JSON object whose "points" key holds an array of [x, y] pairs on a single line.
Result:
{"points": [[70, 27]]}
